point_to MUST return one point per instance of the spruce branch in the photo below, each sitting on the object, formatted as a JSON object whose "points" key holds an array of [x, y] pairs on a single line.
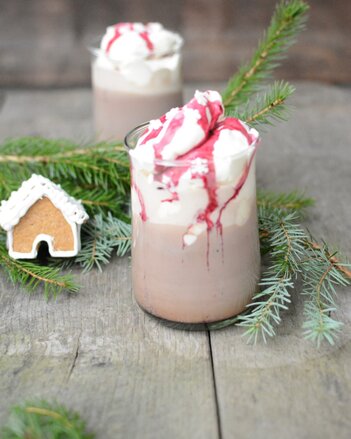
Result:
{"points": [[322, 273], [31, 276], [332, 257], [44, 420], [269, 107], [293, 252], [102, 237], [287, 22], [286, 243], [97, 174], [267, 305], [289, 201]]}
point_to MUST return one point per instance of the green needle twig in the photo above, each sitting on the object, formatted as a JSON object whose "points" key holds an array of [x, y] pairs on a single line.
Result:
{"points": [[41, 419], [287, 22]]}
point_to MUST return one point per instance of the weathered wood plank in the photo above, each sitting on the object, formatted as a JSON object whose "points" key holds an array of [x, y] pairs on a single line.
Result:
{"points": [[97, 352], [288, 388]]}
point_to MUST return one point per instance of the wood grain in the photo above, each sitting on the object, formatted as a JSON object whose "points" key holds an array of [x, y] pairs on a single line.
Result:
{"points": [[130, 376], [98, 353]]}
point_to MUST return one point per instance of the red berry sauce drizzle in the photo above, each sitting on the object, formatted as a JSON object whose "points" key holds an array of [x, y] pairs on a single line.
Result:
{"points": [[120, 28], [209, 121]]}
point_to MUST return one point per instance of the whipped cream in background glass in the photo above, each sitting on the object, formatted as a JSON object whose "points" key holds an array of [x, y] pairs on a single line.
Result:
{"points": [[136, 76], [195, 254]]}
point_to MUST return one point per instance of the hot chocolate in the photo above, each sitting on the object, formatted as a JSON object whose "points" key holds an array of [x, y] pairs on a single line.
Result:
{"points": [[136, 76], [195, 253]]}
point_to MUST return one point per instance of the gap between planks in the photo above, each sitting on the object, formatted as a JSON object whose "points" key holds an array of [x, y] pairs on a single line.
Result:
{"points": [[218, 414]]}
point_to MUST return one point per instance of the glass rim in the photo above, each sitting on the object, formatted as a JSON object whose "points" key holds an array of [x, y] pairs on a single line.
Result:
{"points": [[94, 46], [175, 162]]}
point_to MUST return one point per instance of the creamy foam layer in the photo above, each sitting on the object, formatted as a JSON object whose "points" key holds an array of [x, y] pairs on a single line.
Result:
{"points": [[210, 180], [158, 77], [160, 208], [138, 52]]}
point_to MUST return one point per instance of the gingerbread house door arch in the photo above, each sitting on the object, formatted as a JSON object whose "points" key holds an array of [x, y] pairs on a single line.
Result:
{"points": [[41, 211]]}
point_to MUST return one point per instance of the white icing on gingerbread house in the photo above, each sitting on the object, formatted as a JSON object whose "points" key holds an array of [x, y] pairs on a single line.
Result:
{"points": [[41, 211]]}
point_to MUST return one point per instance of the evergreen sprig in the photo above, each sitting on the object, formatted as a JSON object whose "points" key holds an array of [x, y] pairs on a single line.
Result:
{"points": [[287, 201], [322, 273], [267, 305], [103, 237], [44, 420], [96, 174], [268, 107], [286, 243], [287, 22], [32, 275], [293, 252]]}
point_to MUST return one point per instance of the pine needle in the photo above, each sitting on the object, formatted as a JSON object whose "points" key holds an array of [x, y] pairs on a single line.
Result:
{"points": [[293, 252], [44, 420], [103, 237], [269, 107], [321, 276], [289, 201], [286, 243], [97, 174], [287, 22], [32, 276]]}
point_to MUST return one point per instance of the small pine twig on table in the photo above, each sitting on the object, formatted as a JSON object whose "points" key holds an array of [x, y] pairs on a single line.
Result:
{"points": [[285, 241], [322, 273], [293, 252], [42, 420]]}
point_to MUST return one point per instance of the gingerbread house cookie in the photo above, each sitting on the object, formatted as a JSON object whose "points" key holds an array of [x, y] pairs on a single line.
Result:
{"points": [[41, 211]]}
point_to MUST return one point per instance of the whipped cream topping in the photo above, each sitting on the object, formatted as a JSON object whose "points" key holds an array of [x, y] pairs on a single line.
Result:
{"points": [[209, 155], [137, 50]]}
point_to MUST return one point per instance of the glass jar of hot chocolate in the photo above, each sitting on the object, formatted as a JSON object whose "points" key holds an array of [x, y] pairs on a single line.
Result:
{"points": [[195, 252], [136, 76]]}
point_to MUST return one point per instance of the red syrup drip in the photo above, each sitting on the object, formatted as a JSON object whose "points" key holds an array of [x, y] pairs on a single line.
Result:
{"points": [[208, 113], [173, 127], [118, 32], [215, 110], [151, 133], [143, 214], [236, 192], [202, 151], [208, 116], [149, 44], [129, 26], [205, 152]]}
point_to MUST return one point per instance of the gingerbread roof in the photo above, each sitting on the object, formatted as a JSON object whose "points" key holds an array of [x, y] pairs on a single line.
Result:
{"points": [[37, 187]]}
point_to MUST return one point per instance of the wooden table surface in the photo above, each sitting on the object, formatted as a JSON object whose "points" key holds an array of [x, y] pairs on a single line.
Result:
{"points": [[132, 377]]}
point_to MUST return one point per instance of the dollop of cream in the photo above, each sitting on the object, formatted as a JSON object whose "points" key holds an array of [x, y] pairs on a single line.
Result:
{"points": [[193, 164], [138, 50]]}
